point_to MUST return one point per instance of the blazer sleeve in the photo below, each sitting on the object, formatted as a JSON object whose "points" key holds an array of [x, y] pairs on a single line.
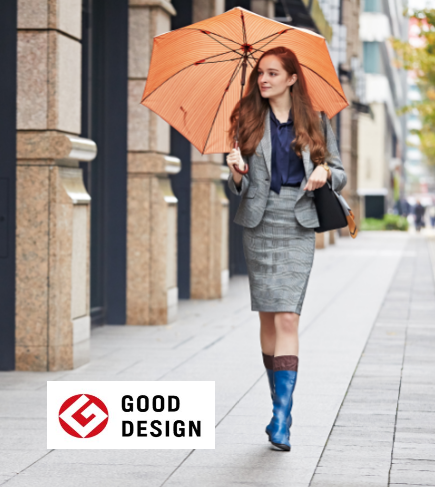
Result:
{"points": [[338, 174], [244, 186]]}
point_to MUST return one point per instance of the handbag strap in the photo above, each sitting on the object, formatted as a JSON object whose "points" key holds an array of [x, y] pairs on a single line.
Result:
{"points": [[325, 134], [325, 130]]}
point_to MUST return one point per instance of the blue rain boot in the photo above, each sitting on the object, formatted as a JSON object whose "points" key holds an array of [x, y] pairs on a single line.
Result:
{"points": [[284, 378], [268, 364], [270, 377]]}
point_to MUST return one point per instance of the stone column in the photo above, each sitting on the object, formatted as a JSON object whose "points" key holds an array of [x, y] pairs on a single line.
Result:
{"points": [[349, 117], [152, 292], [52, 246], [209, 265], [349, 154], [224, 208], [209, 272]]}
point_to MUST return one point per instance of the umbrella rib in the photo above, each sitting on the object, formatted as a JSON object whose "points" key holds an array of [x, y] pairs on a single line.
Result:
{"points": [[260, 48], [221, 54], [221, 43], [214, 33], [271, 35], [166, 80], [223, 61], [244, 28], [236, 70], [256, 60], [335, 89], [185, 67]]}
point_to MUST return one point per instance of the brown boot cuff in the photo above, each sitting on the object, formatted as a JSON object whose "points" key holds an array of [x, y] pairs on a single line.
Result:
{"points": [[286, 362], [268, 361]]}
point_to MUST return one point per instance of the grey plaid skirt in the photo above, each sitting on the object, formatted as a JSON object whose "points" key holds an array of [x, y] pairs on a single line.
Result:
{"points": [[279, 254]]}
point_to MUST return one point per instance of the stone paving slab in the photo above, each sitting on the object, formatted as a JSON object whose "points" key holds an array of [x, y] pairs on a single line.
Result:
{"points": [[384, 433], [219, 340]]}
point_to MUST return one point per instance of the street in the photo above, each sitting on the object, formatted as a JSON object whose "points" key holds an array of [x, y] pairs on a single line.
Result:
{"points": [[364, 411]]}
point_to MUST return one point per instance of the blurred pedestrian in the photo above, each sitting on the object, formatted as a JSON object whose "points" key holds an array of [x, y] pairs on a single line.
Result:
{"points": [[282, 139], [432, 216], [402, 207], [419, 215]]}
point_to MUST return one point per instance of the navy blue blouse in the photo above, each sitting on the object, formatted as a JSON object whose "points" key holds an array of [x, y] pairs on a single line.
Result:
{"points": [[287, 167]]}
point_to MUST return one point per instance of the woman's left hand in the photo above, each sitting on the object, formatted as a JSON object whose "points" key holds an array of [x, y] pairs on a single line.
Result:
{"points": [[317, 179]]}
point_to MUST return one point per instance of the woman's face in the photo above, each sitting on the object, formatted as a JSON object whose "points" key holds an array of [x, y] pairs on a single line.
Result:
{"points": [[273, 79]]}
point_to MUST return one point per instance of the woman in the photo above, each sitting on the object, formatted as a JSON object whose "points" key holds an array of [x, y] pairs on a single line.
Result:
{"points": [[282, 139]]}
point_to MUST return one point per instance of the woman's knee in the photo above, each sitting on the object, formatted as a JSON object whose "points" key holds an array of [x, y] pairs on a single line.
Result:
{"points": [[287, 323]]}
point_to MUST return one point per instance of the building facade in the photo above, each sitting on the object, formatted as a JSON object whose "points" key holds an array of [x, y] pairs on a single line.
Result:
{"points": [[382, 134]]}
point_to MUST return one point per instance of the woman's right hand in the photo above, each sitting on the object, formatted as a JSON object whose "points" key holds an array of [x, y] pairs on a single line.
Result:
{"points": [[234, 158]]}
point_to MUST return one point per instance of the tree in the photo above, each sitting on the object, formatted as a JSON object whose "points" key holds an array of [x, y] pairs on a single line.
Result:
{"points": [[419, 57]]}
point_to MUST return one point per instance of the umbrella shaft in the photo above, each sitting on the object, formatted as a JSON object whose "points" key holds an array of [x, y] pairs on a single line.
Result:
{"points": [[244, 65]]}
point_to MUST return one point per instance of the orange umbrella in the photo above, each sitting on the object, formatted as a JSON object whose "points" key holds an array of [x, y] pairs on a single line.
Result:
{"points": [[197, 73]]}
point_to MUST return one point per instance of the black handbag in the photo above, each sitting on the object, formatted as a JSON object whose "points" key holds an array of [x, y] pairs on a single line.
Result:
{"points": [[330, 209]]}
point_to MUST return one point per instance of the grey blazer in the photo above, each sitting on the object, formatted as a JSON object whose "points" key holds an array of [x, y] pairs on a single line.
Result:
{"points": [[255, 186]]}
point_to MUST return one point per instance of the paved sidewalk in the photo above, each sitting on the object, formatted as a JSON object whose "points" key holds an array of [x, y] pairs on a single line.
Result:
{"points": [[385, 431], [351, 291]]}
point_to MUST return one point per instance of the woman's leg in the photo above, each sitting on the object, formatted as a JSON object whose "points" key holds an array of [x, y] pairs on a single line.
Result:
{"points": [[287, 329], [267, 340], [285, 369], [267, 332]]}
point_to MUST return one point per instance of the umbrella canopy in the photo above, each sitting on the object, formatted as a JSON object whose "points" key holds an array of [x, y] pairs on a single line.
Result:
{"points": [[195, 74]]}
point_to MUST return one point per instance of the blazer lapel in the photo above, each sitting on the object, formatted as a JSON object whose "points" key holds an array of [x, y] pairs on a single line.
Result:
{"points": [[266, 144]]}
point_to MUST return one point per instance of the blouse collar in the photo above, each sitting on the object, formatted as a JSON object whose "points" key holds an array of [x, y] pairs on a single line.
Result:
{"points": [[277, 122]]}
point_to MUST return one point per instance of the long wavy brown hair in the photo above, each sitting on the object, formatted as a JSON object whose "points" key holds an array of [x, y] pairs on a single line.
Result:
{"points": [[307, 123]]}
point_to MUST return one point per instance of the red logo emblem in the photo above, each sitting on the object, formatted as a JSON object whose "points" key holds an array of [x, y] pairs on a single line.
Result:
{"points": [[83, 416]]}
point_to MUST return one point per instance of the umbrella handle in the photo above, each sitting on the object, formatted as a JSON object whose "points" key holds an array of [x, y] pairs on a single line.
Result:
{"points": [[240, 171]]}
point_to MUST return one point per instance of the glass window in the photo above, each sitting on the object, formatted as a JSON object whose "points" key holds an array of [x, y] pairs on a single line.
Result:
{"points": [[372, 6], [372, 57]]}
